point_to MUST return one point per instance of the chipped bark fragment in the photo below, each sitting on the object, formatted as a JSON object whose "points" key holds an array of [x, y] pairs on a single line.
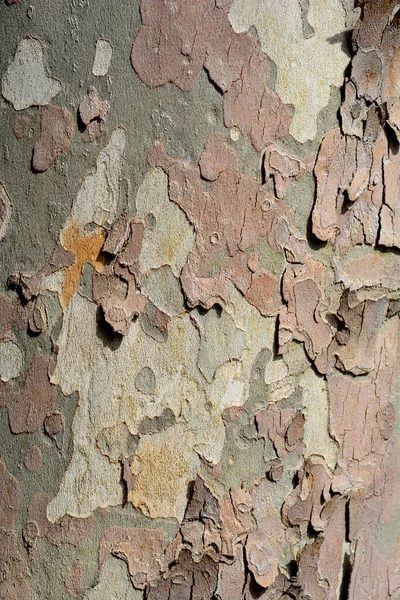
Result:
{"points": [[264, 293], [280, 426], [231, 578], [366, 70], [265, 544], [28, 407], [305, 317], [118, 235], [21, 126], [30, 285], [355, 353], [33, 459], [187, 580], [54, 422], [283, 168], [73, 580], [142, 549], [331, 550], [57, 129], [295, 432], [5, 211], [202, 504], [171, 47], [362, 418], [38, 320], [115, 289], [353, 112], [320, 562], [237, 520], [161, 321], [304, 506], [390, 211], [328, 171], [94, 115], [120, 300], [13, 572], [27, 81], [276, 470], [308, 571]]}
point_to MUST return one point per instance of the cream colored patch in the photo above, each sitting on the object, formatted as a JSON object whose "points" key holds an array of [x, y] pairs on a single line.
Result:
{"points": [[234, 132], [27, 81], [104, 378], [303, 78], [102, 58], [316, 426], [163, 469], [114, 583], [275, 371], [11, 360], [172, 237]]}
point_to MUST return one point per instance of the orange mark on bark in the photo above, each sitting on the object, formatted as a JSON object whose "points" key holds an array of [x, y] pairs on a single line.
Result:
{"points": [[86, 249]]}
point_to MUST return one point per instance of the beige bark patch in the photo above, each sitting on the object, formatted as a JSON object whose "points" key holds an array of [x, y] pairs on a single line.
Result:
{"points": [[171, 237], [102, 58], [11, 360], [114, 582], [163, 467]]}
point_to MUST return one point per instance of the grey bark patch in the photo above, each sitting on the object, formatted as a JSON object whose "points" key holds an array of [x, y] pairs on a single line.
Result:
{"points": [[145, 381], [27, 81]]}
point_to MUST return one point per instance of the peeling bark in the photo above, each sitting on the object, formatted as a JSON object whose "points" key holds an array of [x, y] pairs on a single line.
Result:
{"points": [[201, 385]]}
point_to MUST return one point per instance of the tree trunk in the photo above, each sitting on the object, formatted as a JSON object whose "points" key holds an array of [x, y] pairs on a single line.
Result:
{"points": [[200, 288]]}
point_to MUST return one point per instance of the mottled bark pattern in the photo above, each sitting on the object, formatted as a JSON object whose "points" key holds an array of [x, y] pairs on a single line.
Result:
{"points": [[200, 298]]}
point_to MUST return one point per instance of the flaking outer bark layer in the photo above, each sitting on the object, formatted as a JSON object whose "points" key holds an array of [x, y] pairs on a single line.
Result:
{"points": [[200, 389]]}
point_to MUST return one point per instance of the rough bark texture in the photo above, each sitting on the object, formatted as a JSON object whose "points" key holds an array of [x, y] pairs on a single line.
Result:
{"points": [[200, 298]]}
